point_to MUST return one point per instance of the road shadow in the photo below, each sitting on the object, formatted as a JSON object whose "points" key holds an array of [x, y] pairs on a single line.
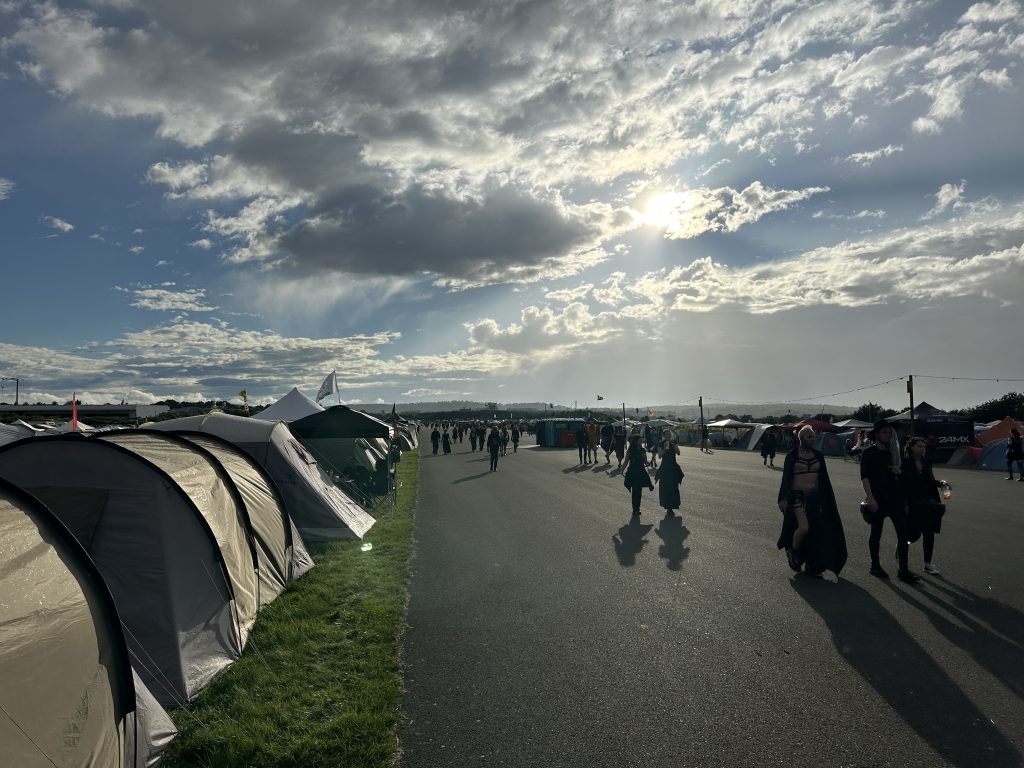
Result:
{"points": [[672, 533], [576, 469], [906, 676], [471, 477], [999, 649], [630, 540]]}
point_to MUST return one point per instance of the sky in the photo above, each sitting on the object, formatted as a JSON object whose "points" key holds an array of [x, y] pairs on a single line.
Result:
{"points": [[512, 201]]}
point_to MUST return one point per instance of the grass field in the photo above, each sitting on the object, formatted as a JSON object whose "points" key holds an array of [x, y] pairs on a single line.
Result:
{"points": [[319, 683]]}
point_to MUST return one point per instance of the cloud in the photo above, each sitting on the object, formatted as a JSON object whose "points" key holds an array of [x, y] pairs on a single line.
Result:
{"points": [[161, 299], [137, 249], [58, 224], [6, 187], [991, 13], [693, 212], [865, 159], [948, 196], [203, 244]]}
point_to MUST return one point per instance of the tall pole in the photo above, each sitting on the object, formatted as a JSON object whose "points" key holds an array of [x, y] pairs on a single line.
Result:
{"points": [[623, 414], [910, 391], [700, 404]]}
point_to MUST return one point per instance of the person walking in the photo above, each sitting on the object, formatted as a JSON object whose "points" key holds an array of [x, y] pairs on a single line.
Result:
{"points": [[472, 438], [705, 439], [583, 445], [635, 472], [446, 442], [768, 448], [504, 440], [593, 440], [1014, 454], [619, 443], [493, 447], [607, 436], [669, 475], [880, 472], [651, 444], [435, 439], [515, 438], [812, 531], [924, 499]]}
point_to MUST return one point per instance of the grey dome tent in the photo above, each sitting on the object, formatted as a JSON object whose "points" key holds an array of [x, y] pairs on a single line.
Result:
{"points": [[69, 696], [282, 554], [186, 615], [315, 504]]}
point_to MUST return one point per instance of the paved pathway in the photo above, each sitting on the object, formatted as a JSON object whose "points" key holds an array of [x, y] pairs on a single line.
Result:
{"points": [[547, 629]]}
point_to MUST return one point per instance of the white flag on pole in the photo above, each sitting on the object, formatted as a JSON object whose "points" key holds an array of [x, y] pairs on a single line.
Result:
{"points": [[329, 387]]}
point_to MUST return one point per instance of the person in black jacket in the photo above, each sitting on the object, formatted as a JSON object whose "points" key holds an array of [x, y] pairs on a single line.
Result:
{"points": [[1014, 454], [880, 469], [493, 447], [924, 502], [583, 444], [635, 472], [812, 531], [435, 439]]}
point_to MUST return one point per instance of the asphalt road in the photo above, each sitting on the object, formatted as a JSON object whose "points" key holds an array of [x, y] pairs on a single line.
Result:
{"points": [[547, 629]]}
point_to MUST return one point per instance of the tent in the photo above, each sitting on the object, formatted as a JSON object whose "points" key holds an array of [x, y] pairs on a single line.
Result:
{"points": [[853, 424], [163, 529], [282, 554], [944, 432], [291, 407], [819, 426], [999, 430], [315, 504], [993, 455], [830, 444], [9, 433], [340, 421], [69, 696]]}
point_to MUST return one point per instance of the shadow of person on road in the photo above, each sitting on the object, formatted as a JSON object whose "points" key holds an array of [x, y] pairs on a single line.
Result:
{"points": [[672, 533], [471, 477], [997, 651], [909, 680], [575, 469], [630, 540]]}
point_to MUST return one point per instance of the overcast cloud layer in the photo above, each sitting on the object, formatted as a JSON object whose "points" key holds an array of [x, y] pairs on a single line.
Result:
{"points": [[439, 199]]}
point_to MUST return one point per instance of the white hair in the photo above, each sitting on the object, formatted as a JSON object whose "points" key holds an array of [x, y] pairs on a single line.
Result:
{"points": [[805, 428]]}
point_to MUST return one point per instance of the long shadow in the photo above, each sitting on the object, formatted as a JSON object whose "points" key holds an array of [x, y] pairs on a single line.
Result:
{"points": [[906, 677], [672, 533], [575, 470], [630, 540], [999, 652], [471, 477]]}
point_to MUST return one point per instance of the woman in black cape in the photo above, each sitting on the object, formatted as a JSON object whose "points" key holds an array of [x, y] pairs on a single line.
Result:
{"points": [[824, 545], [669, 475]]}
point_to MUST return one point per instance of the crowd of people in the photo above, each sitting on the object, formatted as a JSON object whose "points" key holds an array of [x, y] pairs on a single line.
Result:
{"points": [[899, 484]]}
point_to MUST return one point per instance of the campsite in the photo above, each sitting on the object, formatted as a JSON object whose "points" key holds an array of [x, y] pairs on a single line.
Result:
{"points": [[193, 547], [169, 540]]}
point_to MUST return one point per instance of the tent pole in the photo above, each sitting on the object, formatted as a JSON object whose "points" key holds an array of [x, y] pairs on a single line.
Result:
{"points": [[910, 391]]}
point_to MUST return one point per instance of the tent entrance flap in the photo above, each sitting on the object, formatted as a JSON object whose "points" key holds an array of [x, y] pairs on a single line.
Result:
{"points": [[82, 508]]}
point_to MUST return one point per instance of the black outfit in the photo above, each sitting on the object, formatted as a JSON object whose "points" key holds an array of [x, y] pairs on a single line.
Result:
{"points": [[493, 446], [1014, 453], [825, 545], [669, 475], [446, 443], [582, 441], [619, 443], [924, 504], [768, 447], [636, 477], [876, 466], [607, 433], [435, 439], [472, 439], [515, 440]]}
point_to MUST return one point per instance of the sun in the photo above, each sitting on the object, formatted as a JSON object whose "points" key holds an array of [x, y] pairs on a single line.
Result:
{"points": [[664, 210]]}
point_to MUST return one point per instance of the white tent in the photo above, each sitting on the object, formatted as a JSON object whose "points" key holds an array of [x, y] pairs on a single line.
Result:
{"points": [[853, 424], [11, 432], [317, 506], [291, 407], [69, 695]]}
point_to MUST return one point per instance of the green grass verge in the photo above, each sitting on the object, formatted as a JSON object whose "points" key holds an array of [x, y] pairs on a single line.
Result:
{"points": [[319, 683]]}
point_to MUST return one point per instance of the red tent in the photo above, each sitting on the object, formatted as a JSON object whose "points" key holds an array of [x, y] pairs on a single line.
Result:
{"points": [[819, 426]]}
